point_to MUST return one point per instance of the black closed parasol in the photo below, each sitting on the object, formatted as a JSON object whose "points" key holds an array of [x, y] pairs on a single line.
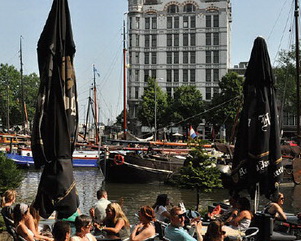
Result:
{"points": [[257, 155], [56, 118]]}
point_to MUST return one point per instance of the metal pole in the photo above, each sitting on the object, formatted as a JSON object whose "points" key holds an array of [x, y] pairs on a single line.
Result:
{"points": [[124, 85], [155, 110], [297, 68]]}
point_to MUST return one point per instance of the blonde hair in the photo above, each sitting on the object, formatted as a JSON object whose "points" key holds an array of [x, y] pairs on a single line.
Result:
{"points": [[118, 213], [8, 196]]}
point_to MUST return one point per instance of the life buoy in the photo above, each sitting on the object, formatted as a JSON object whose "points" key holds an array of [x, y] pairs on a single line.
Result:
{"points": [[119, 159]]}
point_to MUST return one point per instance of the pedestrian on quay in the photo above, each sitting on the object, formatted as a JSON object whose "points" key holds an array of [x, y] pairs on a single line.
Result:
{"points": [[98, 211], [160, 207], [83, 225], [145, 228], [61, 231], [175, 231]]}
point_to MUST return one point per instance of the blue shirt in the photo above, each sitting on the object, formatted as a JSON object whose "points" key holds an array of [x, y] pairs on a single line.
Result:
{"points": [[177, 234]]}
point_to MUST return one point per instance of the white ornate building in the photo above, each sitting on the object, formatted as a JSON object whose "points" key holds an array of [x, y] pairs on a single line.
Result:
{"points": [[178, 43]]}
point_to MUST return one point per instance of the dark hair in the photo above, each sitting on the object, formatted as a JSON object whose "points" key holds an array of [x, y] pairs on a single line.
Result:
{"points": [[244, 204], [60, 229], [214, 231], [82, 221], [275, 196], [148, 213], [161, 200], [18, 213], [100, 193]]}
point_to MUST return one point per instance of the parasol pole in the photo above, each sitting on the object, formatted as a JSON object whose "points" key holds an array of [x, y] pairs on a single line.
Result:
{"points": [[297, 68]]}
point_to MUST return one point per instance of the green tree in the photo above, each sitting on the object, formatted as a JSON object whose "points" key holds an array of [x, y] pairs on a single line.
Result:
{"points": [[285, 75], [10, 176], [199, 172], [11, 92], [224, 105], [186, 104], [146, 112]]}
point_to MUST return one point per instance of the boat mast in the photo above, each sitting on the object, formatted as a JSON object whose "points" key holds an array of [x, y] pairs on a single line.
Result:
{"points": [[22, 88], [124, 85], [95, 106], [297, 68]]}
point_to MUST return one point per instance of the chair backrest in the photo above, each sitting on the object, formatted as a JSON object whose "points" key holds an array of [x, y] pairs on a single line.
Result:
{"points": [[160, 229], [251, 234]]}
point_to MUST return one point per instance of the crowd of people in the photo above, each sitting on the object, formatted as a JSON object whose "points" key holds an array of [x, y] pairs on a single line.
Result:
{"points": [[107, 219]]}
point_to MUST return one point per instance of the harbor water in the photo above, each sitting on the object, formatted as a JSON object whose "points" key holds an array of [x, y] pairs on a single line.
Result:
{"points": [[133, 196]]}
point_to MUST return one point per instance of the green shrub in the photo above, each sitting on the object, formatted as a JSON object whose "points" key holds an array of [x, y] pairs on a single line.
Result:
{"points": [[10, 176]]}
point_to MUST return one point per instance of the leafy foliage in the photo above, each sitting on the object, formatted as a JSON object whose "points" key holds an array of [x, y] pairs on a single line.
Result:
{"points": [[199, 171], [187, 102], [231, 86], [11, 92], [10, 175], [146, 112]]}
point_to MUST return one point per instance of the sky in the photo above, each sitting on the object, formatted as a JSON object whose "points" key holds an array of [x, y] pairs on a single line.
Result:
{"points": [[97, 32]]}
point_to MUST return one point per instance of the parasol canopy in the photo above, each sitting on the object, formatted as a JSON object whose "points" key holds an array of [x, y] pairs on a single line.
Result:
{"points": [[257, 155], [56, 117]]}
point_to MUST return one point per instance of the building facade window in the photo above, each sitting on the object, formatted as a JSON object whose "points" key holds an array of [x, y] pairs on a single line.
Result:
{"points": [[192, 22], [215, 38], [136, 92], [208, 93], [137, 58], [169, 58], [146, 41], [173, 8], [176, 75], [185, 39], [216, 56], [216, 75], [176, 39], [146, 58], [215, 21], [176, 22], [168, 75], [185, 75], [208, 21], [192, 75], [208, 57], [176, 57], [185, 57], [154, 40], [154, 73], [154, 58], [215, 91], [169, 40], [189, 8], [208, 75], [137, 40], [169, 22], [185, 22], [168, 91], [130, 40], [192, 39], [192, 57], [130, 22], [147, 23], [154, 22], [208, 38], [137, 22], [146, 75], [137, 75]]}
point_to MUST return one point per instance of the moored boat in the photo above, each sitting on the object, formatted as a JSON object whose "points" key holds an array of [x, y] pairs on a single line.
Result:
{"points": [[87, 158]]}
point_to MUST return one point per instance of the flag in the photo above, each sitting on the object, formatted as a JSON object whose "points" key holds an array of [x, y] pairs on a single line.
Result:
{"points": [[192, 133], [56, 118], [95, 71]]}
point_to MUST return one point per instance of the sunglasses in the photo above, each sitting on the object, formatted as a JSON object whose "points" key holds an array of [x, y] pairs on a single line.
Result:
{"points": [[181, 215], [282, 198]]}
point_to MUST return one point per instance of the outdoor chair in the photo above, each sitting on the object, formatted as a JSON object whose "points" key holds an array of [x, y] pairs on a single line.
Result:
{"points": [[160, 229], [251, 234], [265, 223]]}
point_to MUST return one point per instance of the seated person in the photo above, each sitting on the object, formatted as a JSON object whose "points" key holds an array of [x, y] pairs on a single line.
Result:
{"points": [[24, 224], [98, 211], [275, 207], [244, 216], [61, 231], [160, 207], [116, 223], [8, 199], [175, 231], [215, 232], [83, 225], [145, 229], [227, 216]]}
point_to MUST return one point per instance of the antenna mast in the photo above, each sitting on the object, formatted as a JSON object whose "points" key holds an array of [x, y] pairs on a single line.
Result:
{"points": [[22, 88], [124, 85], [297, 68]]}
